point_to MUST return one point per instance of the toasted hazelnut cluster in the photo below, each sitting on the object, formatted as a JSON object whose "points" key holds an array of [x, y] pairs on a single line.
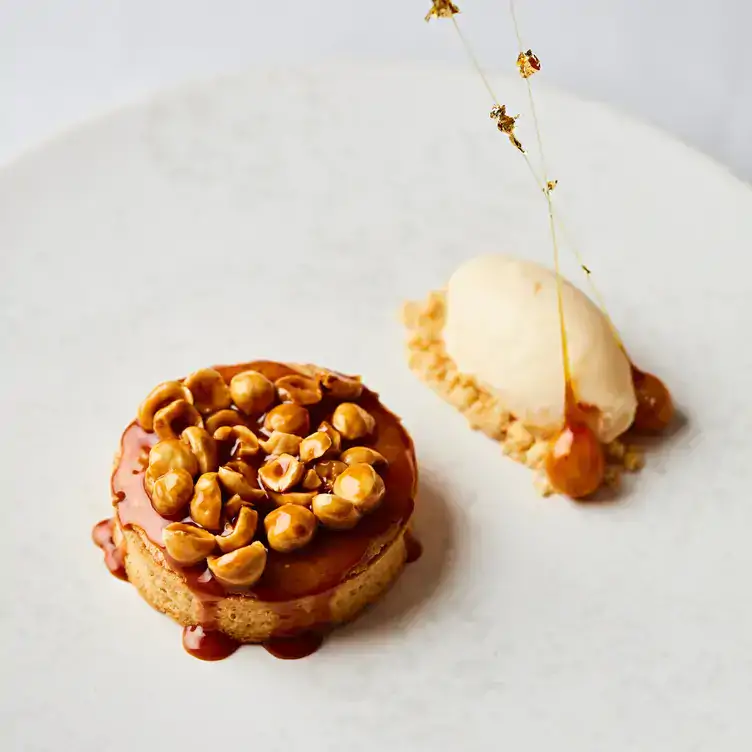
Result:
{"points": [[218, 479]]}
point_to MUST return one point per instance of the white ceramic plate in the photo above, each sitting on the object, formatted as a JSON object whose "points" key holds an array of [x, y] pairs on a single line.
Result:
{"points": [[287, 215]]}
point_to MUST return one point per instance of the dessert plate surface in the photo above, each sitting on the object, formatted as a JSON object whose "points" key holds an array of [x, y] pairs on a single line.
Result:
{"points": [[287, 215]]}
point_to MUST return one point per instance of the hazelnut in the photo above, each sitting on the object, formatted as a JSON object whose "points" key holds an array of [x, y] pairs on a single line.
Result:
{"points": [[210, 393], [311, 481], [159, 397], [361, 485], [206, 504], [335, 512], [329, 471], [172, 492], [203, 446], [187, 544], [150, 478], [237, 478], [301, 498], [224, 418], [234, 504], [240, 568], [299, 389], [341, 387], [247, 441], [289, 527], [315, 446], [358, 455], [282, 473], [328, 429], [281, 443], [252, 392], [288, 418], [171, 454], [352, 421], [241, 533], [170, 421]]}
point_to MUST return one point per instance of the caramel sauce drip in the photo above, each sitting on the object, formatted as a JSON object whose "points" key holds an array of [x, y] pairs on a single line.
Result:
{"points": [[413, 546], [330, 558], [113, 554]]}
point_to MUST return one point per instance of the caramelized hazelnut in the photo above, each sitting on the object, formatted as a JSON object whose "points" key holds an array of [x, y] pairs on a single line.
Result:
{"points": [[311, 481], [361, 485], [288, 418], [187, 544], [252, 392], [329, 471], [655, 408], [171, 454], [335, 512], [281, 443], [170, 421], [203, 446], [299, 389], [352, 421], [240, 568], [150, 478], [241, 534], [224, 418], [289, 527], [328, 429], [282, 473], [172, 492], [234, 504], [210, 393], [159, 397], [237, 478], [315, 446], [365, 455], [247, 441], [206, 504], [340, 387], [301, 498], [575, 463]]}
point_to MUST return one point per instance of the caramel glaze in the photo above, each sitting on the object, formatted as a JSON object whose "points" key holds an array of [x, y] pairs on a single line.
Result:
{"points": [[328, 560], [113, 554], [208, 645]]}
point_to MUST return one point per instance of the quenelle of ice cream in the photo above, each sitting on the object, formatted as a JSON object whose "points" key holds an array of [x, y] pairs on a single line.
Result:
{"points": [[502, 326]]}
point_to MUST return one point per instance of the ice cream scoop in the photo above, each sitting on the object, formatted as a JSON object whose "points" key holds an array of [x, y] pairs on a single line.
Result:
{"points": [[502, 326]]}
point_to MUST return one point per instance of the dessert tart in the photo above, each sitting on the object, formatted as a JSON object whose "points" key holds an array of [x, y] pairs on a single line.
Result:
{"points": [[261, 503], [552, 384]]}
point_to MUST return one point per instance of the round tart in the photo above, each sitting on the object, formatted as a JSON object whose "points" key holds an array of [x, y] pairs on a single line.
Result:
{"points": [[261, 503]]}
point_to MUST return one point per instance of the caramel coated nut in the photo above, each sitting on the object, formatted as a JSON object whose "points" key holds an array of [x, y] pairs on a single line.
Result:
{"points": [[361, 485], [242, 532], [315, 446], [300, 498], [150, 478], [328, 429], [281, 443], [299, 389], [247, 441], [159, 397], [210, 393], [358, 455], [203, 446], [187, 544], [352, 421], [236, 478], [252, 392], [206, 504], [289, 527], [172, 420], [234, 504], [311, 481], [334, 512], [288, 418], [224, 418], [340, 387], [282, 473], [240, 568], [172, 492], [171, 454], [329, 471]]}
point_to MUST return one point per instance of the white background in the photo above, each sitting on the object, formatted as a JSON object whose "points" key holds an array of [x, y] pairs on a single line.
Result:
{"points": [[685, 65]]}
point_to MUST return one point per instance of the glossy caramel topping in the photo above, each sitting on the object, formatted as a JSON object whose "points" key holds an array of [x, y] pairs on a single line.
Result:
{"points": [[113, 554], [655, 408], [207, 644], [331, 556]]}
